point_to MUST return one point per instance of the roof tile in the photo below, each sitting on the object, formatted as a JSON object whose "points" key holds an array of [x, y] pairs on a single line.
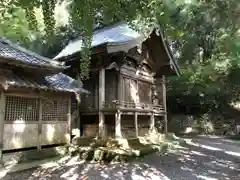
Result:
{"points": [[57, 82], [14, 52]]}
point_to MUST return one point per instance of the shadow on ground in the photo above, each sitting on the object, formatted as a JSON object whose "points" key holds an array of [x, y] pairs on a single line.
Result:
{"points": [[203, 161]]}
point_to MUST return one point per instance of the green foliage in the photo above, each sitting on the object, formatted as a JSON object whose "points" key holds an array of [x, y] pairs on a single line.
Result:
{"points": [[206, 38], [48, 8], [85, 15], [13, 23], [204, 35]]}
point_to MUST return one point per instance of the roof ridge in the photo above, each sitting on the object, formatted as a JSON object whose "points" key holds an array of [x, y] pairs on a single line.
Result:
{"points": [[6, 41], [98, 30], [109, 26]]}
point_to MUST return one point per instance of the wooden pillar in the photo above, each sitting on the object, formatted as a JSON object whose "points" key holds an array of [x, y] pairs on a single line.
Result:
{"points": [[152, 121], [69, 120], [39, 145], [164, 103], [118, 132], [2, 114], [78, 124], [101, 101], [136, 122]]}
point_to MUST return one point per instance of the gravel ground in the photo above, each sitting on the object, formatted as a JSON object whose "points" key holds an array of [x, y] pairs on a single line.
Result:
{"points": [[211, 158]]}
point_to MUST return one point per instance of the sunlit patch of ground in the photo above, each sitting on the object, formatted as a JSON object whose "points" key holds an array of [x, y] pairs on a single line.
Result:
{"points": [[199, 160]]}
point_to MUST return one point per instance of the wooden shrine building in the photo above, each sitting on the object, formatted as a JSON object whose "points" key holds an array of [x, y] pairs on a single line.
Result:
{"points": [[35, 99], [126, 82]]}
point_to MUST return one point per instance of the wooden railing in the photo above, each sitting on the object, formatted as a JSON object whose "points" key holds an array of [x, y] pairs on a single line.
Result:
{"points": [[131, 105]]}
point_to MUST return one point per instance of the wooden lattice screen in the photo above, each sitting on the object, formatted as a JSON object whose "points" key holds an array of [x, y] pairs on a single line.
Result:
{"points": [[21, 108], [55, 110]]}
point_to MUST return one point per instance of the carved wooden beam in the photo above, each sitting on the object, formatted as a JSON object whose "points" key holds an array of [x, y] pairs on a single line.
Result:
{"points": [[113, 65]]}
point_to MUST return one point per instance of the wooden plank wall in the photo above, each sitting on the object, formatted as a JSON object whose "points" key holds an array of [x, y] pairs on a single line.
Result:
{"points": [[92, 85], [128, 126], [111, 86], [35, 124]]}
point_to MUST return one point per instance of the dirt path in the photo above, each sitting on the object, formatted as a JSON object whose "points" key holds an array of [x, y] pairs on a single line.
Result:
{"points": [[207, 158]]}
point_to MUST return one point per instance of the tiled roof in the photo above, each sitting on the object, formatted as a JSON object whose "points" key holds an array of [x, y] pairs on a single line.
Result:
{"points": [[114, 35], [118, 37], [57, 82], [13, 52]]}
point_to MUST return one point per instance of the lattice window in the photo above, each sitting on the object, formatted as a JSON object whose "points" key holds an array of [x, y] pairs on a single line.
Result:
{"points": [[55, 110], [21, 109]]}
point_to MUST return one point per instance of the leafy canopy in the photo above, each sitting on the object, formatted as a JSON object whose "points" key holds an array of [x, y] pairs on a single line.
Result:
{"points": [[204, 35], [85, 15]]}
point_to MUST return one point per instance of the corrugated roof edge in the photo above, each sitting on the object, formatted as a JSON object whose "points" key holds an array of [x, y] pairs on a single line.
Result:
{"points": [[52, 63]]}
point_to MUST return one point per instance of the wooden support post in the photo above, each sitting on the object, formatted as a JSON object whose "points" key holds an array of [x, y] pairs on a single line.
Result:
{"points": [[39, 145], [2, 114], [101, 125], [101, 101], [152, 123], [69, 121], [136, 123], [78, 123], [118, 132], [164, 104]]}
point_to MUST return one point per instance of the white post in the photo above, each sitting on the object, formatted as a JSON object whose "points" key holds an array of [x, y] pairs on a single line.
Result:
{"points": [[118, 132], [152, 123], [101, 101], [69, 120], [136, 123], [164, 104], [2, 114], [39, 146]]}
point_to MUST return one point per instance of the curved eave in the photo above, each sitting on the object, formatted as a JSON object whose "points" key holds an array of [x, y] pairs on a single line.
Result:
{"points": [[77, 90], [107, 47], [173, 64], [17, 62]]}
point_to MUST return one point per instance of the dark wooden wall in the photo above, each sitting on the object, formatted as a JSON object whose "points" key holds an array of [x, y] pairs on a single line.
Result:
{"points": [[91, 84], [111, 85]]}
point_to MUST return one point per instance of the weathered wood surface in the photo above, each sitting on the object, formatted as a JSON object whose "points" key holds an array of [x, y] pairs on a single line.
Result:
{"points": [[55, 133], [128, 126], [164, 103], [91, 101], [2, 114], [20, 135], [143, 125], [34, 121], [111, 86], [101, 102], [90, 130], [118, 132]]}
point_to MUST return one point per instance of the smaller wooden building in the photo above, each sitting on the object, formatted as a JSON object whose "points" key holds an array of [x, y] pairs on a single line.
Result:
{"points": [[127, 81], [35, 99]]}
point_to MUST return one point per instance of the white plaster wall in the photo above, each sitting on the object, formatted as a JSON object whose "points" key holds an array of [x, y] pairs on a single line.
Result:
{"points": [[20, 135], [54, 133]]}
